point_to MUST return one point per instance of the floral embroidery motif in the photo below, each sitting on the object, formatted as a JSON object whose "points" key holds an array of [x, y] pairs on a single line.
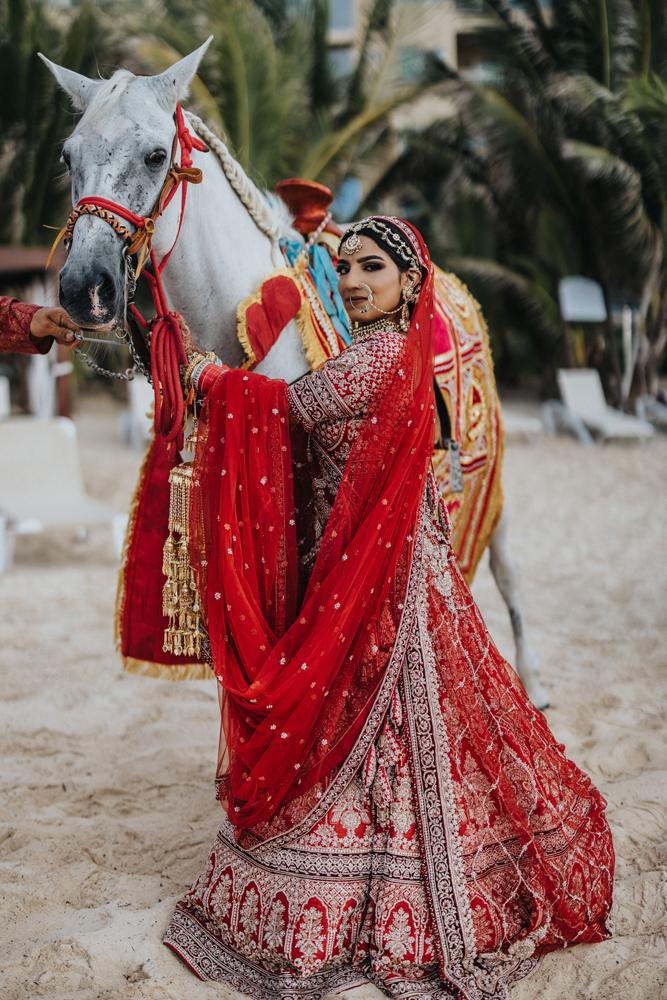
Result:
{"points": [[221, 897], [274, 929], [310, 935], [248, 920], [399, 939]]}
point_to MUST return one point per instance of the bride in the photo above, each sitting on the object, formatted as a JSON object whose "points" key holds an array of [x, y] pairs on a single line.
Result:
{"points": [[396, 811]]}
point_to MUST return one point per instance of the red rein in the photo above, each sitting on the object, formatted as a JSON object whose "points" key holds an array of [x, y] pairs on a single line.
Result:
{"points": [[167, 354]]}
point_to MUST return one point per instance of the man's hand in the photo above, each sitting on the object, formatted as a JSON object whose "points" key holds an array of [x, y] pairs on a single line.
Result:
{"points": [[52, 321]]}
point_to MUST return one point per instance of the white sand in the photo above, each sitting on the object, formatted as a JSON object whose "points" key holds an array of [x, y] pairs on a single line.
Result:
{"points": [[107, 809]]}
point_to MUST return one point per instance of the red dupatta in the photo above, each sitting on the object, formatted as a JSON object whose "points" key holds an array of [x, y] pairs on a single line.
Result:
{"points": [[297, 683]]}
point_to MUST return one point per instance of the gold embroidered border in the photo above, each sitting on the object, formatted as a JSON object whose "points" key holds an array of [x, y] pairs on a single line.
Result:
{"points": [[242, 309], [479, 509], [315, 354], [178, 672]]}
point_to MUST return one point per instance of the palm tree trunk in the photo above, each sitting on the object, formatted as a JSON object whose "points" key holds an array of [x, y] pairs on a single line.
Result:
{"points": [[567, 345], [611, 340], [604, 43]]}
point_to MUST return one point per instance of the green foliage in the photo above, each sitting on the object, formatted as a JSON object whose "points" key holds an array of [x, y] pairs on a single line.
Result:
{"points": [[268, 73], [33, 115], [558, 169], [258, 86], [265, 82], [353, 134]]}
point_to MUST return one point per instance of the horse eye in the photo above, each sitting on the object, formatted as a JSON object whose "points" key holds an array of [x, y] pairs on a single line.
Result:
{"points": [[66, 160], [156, 158]]}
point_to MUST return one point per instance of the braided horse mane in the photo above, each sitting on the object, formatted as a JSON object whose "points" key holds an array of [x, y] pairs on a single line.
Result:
{"points": [[273, 220]]}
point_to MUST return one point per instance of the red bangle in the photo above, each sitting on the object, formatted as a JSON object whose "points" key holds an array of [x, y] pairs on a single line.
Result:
{"points": [[209, 376]]}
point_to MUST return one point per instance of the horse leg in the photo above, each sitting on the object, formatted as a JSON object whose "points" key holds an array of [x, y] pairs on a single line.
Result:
{"points": [[503, 564]]}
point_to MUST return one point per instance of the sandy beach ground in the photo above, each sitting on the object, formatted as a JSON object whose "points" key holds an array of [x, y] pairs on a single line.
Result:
{"points": [[106, 786]]}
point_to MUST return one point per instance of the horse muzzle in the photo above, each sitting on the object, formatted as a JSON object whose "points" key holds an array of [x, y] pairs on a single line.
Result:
{"points": [[92, 294]]}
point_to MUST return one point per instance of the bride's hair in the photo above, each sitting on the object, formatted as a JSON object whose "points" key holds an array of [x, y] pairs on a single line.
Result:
{"points": [[388, 237]]}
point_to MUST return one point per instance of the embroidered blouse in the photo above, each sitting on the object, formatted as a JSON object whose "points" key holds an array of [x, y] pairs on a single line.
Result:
{"points": [[332, 402]]}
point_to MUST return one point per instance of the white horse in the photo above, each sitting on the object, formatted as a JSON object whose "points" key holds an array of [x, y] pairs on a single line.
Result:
{"points": [[228, 241]]}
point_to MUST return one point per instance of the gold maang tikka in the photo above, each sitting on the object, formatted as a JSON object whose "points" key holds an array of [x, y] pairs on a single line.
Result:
{"points": [[352, 244]]}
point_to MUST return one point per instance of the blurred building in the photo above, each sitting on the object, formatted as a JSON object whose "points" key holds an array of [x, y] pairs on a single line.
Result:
{"points": [[464, 34]]}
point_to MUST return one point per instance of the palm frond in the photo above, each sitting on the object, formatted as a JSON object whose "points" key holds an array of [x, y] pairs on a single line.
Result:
{"points": [[613, 189], [537, 308], [324, 154]]}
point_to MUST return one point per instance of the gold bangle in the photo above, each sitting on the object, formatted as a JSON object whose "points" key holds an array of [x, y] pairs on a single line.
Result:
{"points": [[193, 361]]}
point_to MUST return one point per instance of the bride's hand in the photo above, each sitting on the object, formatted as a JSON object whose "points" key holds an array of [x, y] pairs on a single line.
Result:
{"points": [[189, 345]]}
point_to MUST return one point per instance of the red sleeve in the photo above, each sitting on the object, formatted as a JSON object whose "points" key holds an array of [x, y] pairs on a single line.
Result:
{"points": [[209, 377], [15, 319]]}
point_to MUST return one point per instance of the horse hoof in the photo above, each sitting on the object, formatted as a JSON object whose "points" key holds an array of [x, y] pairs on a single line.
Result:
{"points": [[537, 695], [540, 699]]}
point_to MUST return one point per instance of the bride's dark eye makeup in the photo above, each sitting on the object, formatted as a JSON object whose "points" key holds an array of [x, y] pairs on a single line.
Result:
{"points": [[370, 264]]}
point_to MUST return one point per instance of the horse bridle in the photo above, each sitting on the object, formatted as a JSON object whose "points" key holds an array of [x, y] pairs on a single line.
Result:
{"points": [[166, 347]]}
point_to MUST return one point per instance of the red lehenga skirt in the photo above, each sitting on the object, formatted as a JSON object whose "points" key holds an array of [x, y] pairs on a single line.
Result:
{"points": [[444, 863]]}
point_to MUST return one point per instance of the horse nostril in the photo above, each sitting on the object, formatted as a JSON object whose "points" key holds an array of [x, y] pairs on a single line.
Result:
{"points": [[105, 287], [91, 297]]}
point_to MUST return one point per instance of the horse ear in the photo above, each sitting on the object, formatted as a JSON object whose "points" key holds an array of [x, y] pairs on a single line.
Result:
{"points": [[80, 88], [173, 85]]}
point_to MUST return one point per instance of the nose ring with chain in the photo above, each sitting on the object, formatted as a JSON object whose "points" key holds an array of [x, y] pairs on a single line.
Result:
{"points": [[362, 284]]}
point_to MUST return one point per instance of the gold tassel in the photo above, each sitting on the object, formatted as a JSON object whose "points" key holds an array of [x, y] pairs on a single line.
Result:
{"points": [[180, 599]]}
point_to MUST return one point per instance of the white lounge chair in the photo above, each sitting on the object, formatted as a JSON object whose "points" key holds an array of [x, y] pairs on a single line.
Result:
{"points": [[41, 484], [5, 401], [582, 393], [651, 410]]}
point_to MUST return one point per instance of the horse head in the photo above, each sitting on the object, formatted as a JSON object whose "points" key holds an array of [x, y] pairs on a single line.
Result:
{"points": [[120, 150]]}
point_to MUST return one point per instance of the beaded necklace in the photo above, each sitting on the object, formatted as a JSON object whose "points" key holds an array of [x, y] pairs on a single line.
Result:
{"points": [[380, 325]]}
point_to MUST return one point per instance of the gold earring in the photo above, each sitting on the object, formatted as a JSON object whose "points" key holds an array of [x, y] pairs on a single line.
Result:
{"points": [[405, 316], [408, 296]]}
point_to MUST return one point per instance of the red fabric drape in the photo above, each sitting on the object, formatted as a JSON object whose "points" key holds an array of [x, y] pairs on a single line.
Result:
{"points": [[298, 683], [267, 319], [142, 623]]}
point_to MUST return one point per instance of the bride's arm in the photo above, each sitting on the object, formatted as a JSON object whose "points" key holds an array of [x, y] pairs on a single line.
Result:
{"points": [[345, 386], [203, 368]]}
